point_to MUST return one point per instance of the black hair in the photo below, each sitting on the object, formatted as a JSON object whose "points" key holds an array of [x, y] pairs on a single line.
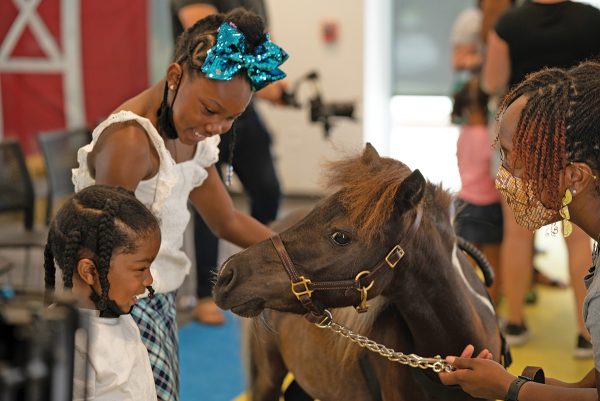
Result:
{"points": [[95, 223], [468, 97], [191, 46], [560, 123]]}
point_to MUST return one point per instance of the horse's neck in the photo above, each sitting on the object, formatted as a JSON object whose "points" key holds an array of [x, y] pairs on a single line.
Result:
{"points": [[439, 305]]}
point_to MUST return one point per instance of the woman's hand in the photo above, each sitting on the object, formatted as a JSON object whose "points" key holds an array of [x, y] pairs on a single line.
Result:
{"points": [[481, 377]]}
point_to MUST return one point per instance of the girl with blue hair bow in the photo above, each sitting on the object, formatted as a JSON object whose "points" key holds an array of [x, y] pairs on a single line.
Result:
{"points": [[163, 143]]}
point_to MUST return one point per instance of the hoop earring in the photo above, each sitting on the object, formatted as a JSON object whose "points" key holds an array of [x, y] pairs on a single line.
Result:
{"points": [[564, 213]]}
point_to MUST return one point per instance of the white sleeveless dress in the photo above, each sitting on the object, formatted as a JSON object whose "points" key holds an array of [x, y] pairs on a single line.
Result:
{"points": [[165, 194]]}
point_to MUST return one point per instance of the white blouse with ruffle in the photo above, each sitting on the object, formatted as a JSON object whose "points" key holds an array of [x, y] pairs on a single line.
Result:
{"points": [[166, 195]]}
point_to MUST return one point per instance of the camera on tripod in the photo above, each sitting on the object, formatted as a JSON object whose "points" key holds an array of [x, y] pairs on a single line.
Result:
{"points": [[319, 111]]}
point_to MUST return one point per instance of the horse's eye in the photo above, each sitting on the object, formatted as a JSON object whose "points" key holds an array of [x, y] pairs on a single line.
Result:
{"points": [[340, 238]]}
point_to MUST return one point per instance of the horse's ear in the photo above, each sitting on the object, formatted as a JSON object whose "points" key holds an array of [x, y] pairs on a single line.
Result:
{"points": [[410, 191], [370, 154]]}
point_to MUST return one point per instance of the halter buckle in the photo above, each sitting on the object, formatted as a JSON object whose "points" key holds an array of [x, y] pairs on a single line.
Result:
{"points": [[363, 306], [397, 249], [304, 282], [326, 321]]}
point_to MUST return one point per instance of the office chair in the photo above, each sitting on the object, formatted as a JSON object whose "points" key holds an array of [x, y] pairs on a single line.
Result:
{"points": [[59, 149], [16, 195]]}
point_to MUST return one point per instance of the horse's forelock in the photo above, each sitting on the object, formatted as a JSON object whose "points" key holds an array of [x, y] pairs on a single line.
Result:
{"points": [[442, 198], [367, 190]]}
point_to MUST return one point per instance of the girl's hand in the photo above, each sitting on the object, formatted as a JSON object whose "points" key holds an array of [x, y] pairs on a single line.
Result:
{"points": [[481, 377]]}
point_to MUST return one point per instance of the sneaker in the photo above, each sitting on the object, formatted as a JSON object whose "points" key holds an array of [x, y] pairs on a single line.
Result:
{"points": [[584, 349], [516, 334]]}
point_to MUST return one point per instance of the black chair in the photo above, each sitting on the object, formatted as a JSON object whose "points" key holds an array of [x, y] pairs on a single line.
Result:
{"points": [[5, 265], [16, 195], [59, 149]]}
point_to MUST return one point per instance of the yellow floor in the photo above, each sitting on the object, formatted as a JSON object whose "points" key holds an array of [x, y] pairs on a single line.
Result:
{"points": [[553, 335]]}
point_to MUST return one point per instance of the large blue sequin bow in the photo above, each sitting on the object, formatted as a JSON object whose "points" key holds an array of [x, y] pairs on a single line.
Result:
{"points": [[228, 56]]}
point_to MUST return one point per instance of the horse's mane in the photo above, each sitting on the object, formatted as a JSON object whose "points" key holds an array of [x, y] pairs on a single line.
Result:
{"points": [[367, 186]]}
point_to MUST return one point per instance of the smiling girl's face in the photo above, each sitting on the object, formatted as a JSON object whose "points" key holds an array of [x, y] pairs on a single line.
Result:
{"points": [[205, 107], [129, 273]]}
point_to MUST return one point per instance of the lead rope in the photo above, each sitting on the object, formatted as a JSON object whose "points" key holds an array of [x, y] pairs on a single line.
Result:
{"points": [[414, 361]]}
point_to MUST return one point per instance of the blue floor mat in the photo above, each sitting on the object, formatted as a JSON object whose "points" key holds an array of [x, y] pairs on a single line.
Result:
{"points": [[210, 362]]}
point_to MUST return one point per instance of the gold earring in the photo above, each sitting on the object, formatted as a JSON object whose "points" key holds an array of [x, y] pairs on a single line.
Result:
{"points": [[172, 87], [564, 213]]}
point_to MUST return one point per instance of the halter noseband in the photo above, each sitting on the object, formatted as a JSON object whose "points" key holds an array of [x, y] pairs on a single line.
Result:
{"points": [[303, 288]]}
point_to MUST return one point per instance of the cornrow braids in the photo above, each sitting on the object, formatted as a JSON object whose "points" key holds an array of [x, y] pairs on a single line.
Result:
{"points": [[193, 44], [49, 268], [71, 256], [106, 247], [95, 223], [558, 124]]}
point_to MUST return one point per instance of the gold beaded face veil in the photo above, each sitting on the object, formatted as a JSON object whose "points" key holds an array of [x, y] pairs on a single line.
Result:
{"points": [[528, 210]]}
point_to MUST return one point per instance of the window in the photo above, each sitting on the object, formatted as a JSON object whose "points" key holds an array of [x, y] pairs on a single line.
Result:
{"points": [[421, 49]]}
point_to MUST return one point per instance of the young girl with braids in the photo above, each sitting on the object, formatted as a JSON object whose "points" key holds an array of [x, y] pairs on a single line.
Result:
{"points": [[479, 214], [549, 136], [163, 144], [103, 240]]}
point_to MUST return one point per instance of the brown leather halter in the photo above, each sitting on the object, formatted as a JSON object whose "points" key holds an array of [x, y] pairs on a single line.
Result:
{"points": [[303, 288]]}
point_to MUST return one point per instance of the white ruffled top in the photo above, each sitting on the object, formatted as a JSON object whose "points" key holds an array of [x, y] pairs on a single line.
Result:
{"points": [[166, 195]]}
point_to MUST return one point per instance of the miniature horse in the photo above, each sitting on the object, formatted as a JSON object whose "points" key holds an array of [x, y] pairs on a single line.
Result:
{"points": [[428, 301]]}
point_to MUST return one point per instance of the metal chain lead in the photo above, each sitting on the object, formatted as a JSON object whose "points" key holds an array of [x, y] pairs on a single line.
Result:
{"points": [[436, 363]]}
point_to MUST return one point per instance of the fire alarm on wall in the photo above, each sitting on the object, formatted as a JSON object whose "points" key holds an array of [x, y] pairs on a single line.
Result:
{"points": [[330, 31]]}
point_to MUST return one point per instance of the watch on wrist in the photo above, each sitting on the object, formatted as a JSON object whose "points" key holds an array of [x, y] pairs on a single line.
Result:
{"points": [[530, 373], [515, 386]]}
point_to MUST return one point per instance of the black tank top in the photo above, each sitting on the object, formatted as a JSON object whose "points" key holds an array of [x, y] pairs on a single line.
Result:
{"points": [[549, 35]]}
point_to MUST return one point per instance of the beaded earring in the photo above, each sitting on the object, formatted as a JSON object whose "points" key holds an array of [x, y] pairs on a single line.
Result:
{"points": [[564, 213]]}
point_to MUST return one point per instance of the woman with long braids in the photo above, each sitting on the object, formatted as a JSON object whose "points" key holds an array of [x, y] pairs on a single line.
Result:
{"points": [[163, 144], [549, 136], [103, 240]]}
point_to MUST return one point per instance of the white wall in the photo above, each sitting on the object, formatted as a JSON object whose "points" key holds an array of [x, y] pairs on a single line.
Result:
{"points": [[299, 146]]}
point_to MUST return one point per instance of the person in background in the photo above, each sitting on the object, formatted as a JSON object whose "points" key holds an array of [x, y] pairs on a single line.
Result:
{"points": [[104, 240], [466, 45], [537, 34], [549, 135], [246, 149], [479, 214], [479, 218], [163, 145]]}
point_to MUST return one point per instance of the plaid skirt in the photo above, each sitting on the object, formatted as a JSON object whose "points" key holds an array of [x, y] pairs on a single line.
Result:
{"points": [[158, 328]]}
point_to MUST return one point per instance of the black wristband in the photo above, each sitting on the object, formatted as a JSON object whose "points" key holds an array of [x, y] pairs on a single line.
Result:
{"points": [[515, 386]]}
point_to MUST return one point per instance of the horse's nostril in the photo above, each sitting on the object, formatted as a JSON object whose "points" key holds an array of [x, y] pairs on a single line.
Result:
{"points": [[225, 278]]}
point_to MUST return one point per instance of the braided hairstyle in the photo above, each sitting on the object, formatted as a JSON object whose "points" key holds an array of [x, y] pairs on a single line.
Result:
{"points": [[95, 223], [193, 44], [559, 124]]}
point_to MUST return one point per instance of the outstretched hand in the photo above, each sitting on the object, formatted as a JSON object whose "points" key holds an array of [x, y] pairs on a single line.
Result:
{"points": [[481, 377]]}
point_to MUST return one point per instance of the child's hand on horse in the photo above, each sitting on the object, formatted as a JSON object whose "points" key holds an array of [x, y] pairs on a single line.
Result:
{"points": [[481, 377]]}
